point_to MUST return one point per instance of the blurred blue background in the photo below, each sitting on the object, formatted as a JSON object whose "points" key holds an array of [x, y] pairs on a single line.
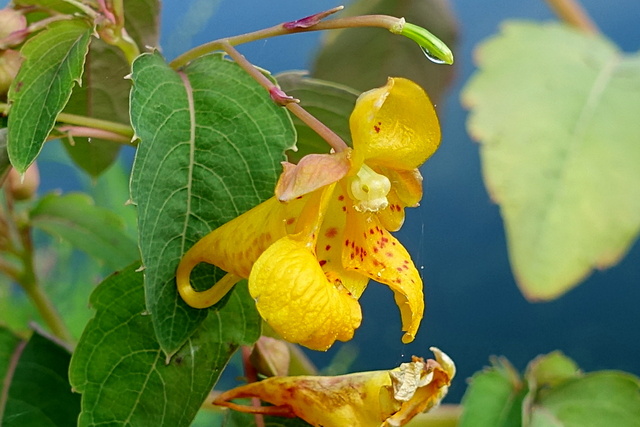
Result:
{"points": [[474, 308]]}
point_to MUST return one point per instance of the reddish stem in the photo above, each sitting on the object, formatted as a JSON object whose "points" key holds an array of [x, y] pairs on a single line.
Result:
{"points": [[251, 374]]}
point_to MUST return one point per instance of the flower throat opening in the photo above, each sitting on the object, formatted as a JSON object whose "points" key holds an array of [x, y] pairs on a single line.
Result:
{"points": [[369, 190]]}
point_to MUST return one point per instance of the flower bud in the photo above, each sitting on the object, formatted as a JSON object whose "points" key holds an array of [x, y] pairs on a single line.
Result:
{"points": [[271, 357], [23, 187], [10, 61], [11, 21]]}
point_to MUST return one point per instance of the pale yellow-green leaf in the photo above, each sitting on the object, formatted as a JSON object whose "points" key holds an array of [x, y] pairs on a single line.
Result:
{"points": [[556, 112]]}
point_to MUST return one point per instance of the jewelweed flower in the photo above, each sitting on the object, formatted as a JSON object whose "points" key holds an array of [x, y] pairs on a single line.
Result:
{"points": [[310, 251], [366, 399]]}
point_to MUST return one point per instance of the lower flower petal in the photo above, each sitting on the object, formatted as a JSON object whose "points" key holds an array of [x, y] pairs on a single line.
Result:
{"points": [[373, 251], [294, 296]]}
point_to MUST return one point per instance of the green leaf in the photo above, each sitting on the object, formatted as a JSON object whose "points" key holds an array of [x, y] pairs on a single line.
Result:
{"points": [[54, 60], [142, 21], [111, 191], [550, 369], [595, 400], [556, 113], [38, 391], [329, 102], [95, 230], [494, 397], [122, 372], [211, 143], [363, 58], [104, 93]]}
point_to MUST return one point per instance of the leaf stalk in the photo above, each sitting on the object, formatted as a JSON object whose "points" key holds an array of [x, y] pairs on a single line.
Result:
{"points": [[574, 14]]}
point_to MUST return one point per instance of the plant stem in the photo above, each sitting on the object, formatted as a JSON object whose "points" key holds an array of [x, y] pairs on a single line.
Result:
{"points": [[124, 131], [252, 376], [48, 312], [382, 21], [28, 281], [320, 128], [572, 12], [83, 7], [71, 131], [118, 128]]}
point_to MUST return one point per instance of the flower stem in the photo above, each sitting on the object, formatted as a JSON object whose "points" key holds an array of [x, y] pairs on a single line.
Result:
{"points": [[382, 21], [320, 128], [572, 12]]}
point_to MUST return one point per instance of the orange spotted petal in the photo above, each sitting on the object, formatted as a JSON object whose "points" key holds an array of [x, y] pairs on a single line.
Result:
{"points": [[392, 217], [407, 184], [373, 251], [236, 245], [406, 191], [395, 125], [297, 299], [331, 240]]}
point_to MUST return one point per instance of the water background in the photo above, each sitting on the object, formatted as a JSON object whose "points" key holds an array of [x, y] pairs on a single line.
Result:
{"points": [[474, 308]]}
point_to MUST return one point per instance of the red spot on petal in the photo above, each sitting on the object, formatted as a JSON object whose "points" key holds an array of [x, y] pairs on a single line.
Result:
{"points": [[399, 269], [341, 197], [346, 242], [377, 129], [371, 231], [375, 250], [398, 281], [389, 254], [328, 247], [322, 262], [344, 209], [331, 232], [290, 221]]}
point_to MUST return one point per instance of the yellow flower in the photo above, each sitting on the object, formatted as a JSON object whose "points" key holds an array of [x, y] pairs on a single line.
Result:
{"points": [[367, 399], [310, 251]]}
